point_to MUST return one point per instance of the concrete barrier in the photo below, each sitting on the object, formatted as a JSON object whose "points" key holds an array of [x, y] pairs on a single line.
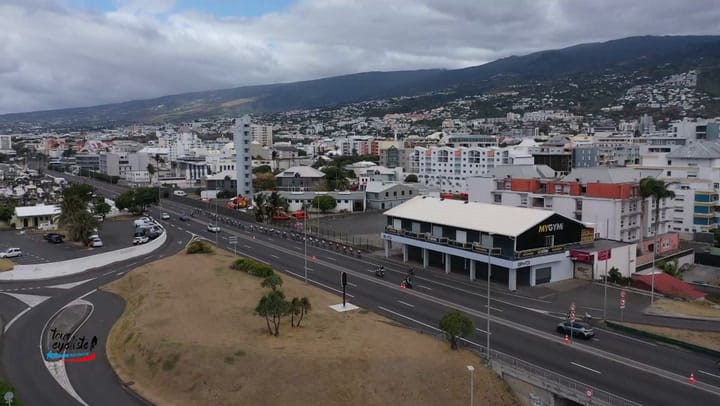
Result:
{"points": [[78, 265]]}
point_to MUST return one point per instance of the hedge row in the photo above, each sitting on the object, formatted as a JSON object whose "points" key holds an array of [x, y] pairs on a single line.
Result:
{"points": [[252, 267]]}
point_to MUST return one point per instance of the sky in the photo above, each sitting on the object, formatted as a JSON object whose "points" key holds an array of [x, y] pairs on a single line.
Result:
{"points": [[74, 53]]}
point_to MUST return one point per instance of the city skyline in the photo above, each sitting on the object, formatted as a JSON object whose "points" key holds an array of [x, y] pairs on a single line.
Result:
{"points": [[95, 52]]}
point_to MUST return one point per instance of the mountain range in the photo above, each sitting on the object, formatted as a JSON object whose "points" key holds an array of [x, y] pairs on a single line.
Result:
{"points": [[585, 60]]}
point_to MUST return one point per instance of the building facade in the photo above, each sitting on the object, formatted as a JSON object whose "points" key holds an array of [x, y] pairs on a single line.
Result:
{"points": [[448, 168], [243, 159], [262, 134]]}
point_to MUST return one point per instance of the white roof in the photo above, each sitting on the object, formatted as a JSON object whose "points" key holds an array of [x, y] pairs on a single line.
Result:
{"points": [[39, 210], [304, 171], [490, 218], [377, 187]]}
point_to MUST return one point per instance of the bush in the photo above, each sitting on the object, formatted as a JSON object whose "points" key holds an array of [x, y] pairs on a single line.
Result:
{"points": [[252, 267], [199, 247]]}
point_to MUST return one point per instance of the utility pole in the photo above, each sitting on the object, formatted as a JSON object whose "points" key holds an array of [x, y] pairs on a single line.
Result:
{"points": [[305, 240], [489, 271], [607, 233]]}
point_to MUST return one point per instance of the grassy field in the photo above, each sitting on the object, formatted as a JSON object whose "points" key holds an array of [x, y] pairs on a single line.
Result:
{"points": [[6, 265], [702, 338], [699, 308], [188, 336]]}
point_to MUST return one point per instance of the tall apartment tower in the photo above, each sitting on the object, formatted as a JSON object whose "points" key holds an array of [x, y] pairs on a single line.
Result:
{"points": [[263, 134], [243, 159]]}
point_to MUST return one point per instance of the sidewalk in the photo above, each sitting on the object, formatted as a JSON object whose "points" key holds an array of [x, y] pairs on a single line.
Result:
{"points": [[78, 265]]}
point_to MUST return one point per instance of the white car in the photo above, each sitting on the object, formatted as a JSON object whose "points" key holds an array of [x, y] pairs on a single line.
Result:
{"points": [[96, 242], [11, 253], [140, 240], [165, 216], [213, 228]]}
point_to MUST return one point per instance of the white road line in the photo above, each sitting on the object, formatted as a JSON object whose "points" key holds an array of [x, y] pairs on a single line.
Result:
{"points": [[405, 303], [87, 294], [319, 283], [584, 367], [274, 256], [493, 308], [627, 337], [708, 373], [246, 246], [298, 248], [409, 318], [481, 330], [352, 284], [424, 287], [7, 327], [119, 273], [332, 259]]}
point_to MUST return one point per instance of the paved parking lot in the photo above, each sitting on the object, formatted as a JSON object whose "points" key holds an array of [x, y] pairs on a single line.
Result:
{"points": [[114, 234]]}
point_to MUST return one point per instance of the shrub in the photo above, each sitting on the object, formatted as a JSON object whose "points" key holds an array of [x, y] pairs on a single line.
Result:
{"points": [[252, 267], [199, 247]]}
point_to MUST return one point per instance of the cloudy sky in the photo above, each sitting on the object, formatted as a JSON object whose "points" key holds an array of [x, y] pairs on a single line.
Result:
{"points": [[71, 53]]}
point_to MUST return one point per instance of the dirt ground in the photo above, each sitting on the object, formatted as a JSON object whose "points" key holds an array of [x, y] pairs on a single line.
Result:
{"points": [[702, 338], [701, 308], [188, 336], [6, 265]]}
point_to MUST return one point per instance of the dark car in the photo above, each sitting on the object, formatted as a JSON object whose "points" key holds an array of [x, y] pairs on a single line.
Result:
{"points": [[183, 218], [576, 328], [54, 238]]}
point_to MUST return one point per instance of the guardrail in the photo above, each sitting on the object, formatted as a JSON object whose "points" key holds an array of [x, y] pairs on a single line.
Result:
{"points": [[535, 375]]}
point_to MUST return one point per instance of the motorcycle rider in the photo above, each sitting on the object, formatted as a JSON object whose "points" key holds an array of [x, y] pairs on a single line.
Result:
{"points": [[380, 272]]}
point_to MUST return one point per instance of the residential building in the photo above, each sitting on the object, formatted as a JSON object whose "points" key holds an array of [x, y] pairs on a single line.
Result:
{"points": [[381, 195], [6, 145], [346, 201], [378, 173], [468, 140], [262, 134], [300, 178], [608, 198], [447, 168], [243, 159], [35, 216], [585, 156], [138, 178], [555, 153], [225, 180], [90, 162]]}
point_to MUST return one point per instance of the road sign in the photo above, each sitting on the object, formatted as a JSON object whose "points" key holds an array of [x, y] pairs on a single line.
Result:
{"points": [[589, 393], [8, 397], [604, 255], [622, 299], [572, 315], [622, 294]]}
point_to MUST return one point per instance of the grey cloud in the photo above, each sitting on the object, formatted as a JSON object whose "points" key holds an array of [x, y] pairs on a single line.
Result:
{"points": [[54, 56]]}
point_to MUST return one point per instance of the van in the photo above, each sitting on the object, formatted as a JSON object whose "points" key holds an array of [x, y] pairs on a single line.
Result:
{"points": [[180, 193]]}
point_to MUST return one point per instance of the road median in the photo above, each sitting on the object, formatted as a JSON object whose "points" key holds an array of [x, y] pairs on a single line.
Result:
{"points": [[663, 334]]}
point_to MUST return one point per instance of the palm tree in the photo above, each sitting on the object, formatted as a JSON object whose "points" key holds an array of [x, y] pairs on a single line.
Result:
{"points": [[657, 190], [305, 308], [260, 209], [275, 202]]}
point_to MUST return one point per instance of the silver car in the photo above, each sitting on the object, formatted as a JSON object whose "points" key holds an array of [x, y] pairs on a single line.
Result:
{"points": [[576, 328]]}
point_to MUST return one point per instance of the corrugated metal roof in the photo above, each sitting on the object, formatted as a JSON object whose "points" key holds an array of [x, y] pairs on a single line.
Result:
{"points": [[304, 171], [697, 150], [610, 175], [490, 218], [39, 210]]}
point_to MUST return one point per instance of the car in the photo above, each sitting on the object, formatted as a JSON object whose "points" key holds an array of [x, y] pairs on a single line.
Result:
{"points": [[576, 328], [11, 253], [95, 243], [183, 218], [213, 228], [165, 216], [140, 240], [54, 238]]}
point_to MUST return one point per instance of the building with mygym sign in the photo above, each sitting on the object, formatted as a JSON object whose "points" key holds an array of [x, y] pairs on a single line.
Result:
{"points": [[523, 246]]}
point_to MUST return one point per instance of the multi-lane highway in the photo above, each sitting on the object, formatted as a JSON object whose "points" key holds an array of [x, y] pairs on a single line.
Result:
{"points": [[642, 371]]}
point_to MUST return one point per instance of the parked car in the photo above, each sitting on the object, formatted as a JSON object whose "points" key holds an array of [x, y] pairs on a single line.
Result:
{"points": [[213, 228], [11, 253], [165, 216], [576, 328], [179, 193], [96, 243], [54, 238], [140, 240]]}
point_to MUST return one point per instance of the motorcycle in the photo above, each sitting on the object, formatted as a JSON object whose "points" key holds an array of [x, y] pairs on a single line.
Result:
{"points": [[380, 273], [406, 284]]}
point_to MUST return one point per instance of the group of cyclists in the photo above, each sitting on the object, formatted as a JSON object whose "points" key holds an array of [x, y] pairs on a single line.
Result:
{"points": [[406, 283]]}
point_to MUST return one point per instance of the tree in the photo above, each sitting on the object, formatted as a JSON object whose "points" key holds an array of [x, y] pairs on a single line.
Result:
{"points": [[657, 190], [305, 308], [264, 181], [126, 201], [273, 281], [456, 324], [335, 177], [262, 169], [324, 203], [671, 268], [259, 208], [273, 306], [102, 209], [7, 211], [295, 310], [225, 194], [412, 178], [716, 237], [145, 196], [151, 170], [275, 203], [81, 226]]}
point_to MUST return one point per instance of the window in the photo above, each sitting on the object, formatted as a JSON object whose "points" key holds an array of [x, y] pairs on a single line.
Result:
{"points": [[498, 199], [669, 173], [387, 194], [549, 240]]}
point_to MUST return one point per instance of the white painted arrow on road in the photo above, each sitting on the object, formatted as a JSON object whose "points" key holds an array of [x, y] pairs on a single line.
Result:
{"points": [[69, 285], [30, 300]]}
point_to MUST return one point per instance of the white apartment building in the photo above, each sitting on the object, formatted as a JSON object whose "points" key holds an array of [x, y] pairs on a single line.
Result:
{"points": [[243, 158], [606, 198], [184, 145], [6, 144], [138, 177], [361, 145], [447, 168], [121, 164], [262, 134]]}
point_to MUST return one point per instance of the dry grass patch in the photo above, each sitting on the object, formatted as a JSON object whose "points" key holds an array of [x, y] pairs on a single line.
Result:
{"points": [[189, 336], [6, 265], [706, 339], [699, 308]]}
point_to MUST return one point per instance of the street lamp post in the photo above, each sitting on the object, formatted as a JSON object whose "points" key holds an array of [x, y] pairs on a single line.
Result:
{"points": [[607, 234], [489, 271], [216, 223], [305, 240], [472, 389]]}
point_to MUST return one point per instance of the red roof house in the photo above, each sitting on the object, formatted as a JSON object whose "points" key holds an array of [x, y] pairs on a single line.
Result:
{"points": [[668, 286]]}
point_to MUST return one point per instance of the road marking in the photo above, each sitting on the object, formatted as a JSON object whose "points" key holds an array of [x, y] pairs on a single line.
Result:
{"points": [[352, 284], [119, 273], [424, 287], [405, 303], [493, 308], [319, 283], [481, 330], [627, 337], [274, 256], [247, 246], [69, 285], [332, 259], [708, 373], [584, 367], [298, 248], [87, 294], [30, 300], [7, 327]]}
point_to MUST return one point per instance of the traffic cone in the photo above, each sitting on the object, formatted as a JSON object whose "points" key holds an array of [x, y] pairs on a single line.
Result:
{"points": [[567, 338], [692, 378]]}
